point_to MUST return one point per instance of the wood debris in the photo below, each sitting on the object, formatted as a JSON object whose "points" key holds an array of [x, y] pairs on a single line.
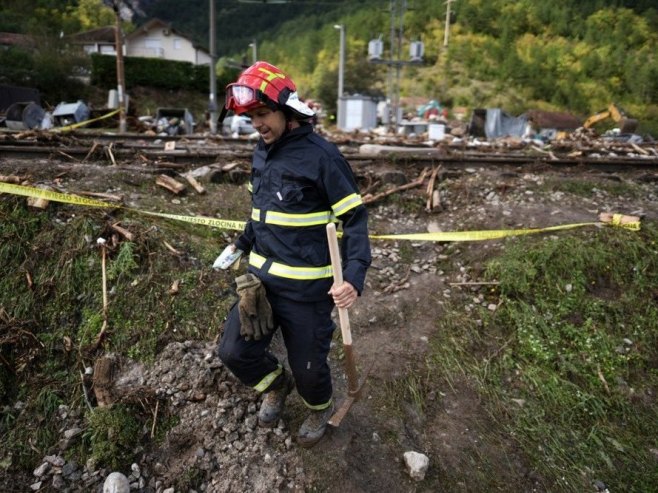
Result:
{"points": [[104, 196], [171, 248], [39, 202], [195, 184], [15, 179], [368, 199], [170, 184], [123, 232]]}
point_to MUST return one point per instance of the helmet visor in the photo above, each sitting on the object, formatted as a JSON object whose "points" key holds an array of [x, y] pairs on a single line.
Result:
{"points": [[238, 95]]}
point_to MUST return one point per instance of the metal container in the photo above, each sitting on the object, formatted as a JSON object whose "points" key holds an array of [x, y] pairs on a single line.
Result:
{"points": [[24, 116], [69, 113]]}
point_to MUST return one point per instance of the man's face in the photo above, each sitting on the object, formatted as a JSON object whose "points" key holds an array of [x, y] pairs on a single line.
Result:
{"points": [[269, 124]]}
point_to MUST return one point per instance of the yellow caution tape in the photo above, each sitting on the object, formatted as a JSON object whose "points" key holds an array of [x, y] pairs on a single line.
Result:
{"points": [[617, 220], [67, 198], [82, 124], [477, 235], [239, 225]]}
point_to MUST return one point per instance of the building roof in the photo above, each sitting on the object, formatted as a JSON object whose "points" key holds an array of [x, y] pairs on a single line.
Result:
{"points": [[16, 39], [99, 35]]}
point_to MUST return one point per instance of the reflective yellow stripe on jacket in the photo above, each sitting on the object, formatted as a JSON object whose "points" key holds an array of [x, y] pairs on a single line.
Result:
{"points": [[346, 204], [290, 272], [298, 220]]}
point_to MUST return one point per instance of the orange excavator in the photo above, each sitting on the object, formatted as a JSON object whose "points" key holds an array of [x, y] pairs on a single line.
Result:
{"points": [[626, 125]]}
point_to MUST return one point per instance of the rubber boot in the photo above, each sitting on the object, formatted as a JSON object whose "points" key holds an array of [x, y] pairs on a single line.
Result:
{"points": [[272, 406], [314, 427]]}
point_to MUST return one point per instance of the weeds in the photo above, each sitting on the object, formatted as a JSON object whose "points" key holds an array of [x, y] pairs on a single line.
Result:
{"points": [[113, 434], [568, 362], [585, 188], [51, 306]]}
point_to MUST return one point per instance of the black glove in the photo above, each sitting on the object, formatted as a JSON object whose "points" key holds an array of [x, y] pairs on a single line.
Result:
{"points": [[256, 318]]}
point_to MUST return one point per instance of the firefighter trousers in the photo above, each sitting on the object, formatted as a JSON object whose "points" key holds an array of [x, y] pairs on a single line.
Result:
{"points": [[307, 330]]}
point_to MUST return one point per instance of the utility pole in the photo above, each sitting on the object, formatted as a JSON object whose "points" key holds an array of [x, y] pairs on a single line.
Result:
{"points": [[121, 79], [212, 98], [341, 74], [447, 28], [254, 51], [392, 108], [375, 49]]}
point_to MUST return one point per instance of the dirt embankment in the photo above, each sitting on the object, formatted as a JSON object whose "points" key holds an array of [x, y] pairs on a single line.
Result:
{"points": [[215, 444]]}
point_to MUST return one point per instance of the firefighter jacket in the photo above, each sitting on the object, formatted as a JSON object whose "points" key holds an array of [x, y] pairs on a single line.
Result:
{"points": [[299, 184]]}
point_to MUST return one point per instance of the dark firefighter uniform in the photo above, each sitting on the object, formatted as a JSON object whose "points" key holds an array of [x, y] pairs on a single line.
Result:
{"points": [[299, 184]]}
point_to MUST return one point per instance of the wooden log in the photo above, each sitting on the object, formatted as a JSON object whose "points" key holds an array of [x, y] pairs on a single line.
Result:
{"points": [[170, 184]]}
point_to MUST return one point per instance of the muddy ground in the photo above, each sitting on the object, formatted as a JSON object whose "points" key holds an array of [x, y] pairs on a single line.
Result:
{"points": [[408, 288]]}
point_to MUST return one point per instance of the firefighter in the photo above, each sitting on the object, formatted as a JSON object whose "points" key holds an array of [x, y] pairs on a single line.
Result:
{"points": [[299, 183]]}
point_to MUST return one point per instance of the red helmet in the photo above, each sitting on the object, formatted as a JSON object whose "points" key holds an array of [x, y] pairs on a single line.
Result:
{"points": [[263, 84]]}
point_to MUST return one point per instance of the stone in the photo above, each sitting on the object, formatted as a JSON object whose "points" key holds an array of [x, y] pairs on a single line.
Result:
{"points": [[116, 483], [417, 464]]}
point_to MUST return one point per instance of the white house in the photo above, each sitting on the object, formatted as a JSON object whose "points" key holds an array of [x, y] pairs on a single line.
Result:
{"points": [[155, 39]]}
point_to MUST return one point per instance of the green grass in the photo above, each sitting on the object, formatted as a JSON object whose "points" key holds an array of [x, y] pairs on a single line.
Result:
{"points": [[51, 312], [586, 188], [568, 364]]}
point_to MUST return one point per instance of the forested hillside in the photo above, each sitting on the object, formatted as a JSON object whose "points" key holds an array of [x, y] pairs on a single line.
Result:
{"points": [[568, 55]]}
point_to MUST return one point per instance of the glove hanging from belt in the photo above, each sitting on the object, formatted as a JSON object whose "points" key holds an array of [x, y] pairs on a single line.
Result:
{"points": [[256, 318]]}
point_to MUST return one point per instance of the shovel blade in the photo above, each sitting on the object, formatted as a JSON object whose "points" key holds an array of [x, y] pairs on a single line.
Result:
{"points": [[341, 411]]}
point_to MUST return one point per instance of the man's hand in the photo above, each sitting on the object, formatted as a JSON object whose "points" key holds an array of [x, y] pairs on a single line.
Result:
{"points": [[344, 295], [256, 319]]}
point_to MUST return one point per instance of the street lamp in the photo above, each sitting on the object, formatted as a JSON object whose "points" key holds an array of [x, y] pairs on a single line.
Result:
{"points": [[341, 60], [341, 71]]}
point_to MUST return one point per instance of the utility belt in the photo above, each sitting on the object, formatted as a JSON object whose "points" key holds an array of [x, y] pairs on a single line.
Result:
{"points": [[288, 271]]}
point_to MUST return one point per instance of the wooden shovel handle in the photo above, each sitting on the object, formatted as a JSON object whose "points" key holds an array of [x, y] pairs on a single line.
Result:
{"points": [[338, 280]]}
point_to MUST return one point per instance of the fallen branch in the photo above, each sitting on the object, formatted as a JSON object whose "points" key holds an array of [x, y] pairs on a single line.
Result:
{"points": [[67, 155], [108, 150], [368, 199], [475, 283], [155, 418], [639, 149], [171, 248], [104, 196], [372, 185], [430, 190], [103, 331], [123, 232], [91, 151]]}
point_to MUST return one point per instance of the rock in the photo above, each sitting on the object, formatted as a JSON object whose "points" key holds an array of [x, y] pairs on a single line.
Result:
{"points": [[116, 483], [42, 469], [417, 464]]}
